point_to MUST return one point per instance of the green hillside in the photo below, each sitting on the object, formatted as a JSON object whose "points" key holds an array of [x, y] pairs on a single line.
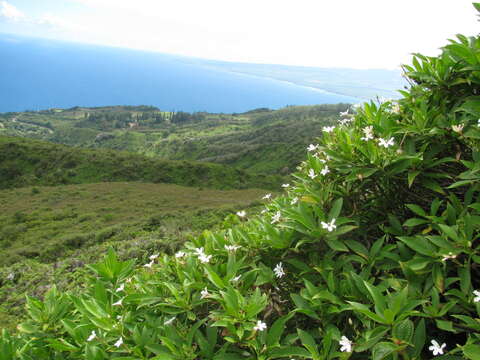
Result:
{"points": [[48, 234], [262, 140], [26, 162]]}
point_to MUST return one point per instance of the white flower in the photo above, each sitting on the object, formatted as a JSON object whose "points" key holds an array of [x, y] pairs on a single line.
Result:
{"points": [[478, 123], [260, 326], [477, 296], [368, 131], [285, 186], [153, 257], [346, 345], [458, 128], [325, 171], [204, 293], [118, 303], [449, 256], [329, 226], [120, 288], [204, 258], [267, 197], [241, 213], [149, 265], [119, 342], [294, 201], [11, 276], [199, 251], [263, 211], [276, 217], [328, 129], [232, 248], [344, 113], [312, 147], [386, 143], [179, 254], [236, 278], [278, 270], [92, 336], [396, 108], [436, 349], [169, 321], [311, 174]]}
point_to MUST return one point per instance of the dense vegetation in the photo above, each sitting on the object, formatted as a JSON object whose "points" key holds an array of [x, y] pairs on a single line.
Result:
{"points": [[31, 162], [48, 234], [372, 253], [261, 140]]}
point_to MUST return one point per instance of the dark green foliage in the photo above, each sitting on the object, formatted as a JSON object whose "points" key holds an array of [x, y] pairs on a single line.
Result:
{"points": [[26, 162]]}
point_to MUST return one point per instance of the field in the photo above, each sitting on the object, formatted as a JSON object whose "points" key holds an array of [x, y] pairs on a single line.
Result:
{"points": [[48, 234]]}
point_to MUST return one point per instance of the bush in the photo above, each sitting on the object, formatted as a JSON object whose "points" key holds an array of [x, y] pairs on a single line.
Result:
{"points": [[373, 253]]}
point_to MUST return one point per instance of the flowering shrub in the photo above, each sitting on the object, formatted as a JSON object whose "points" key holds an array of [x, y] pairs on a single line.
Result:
{"points": [[373, 252]]}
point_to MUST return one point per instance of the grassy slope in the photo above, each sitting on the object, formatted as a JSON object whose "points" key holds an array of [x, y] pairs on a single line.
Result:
{"points": [[48, 234], [26, 162], [262, 141]]}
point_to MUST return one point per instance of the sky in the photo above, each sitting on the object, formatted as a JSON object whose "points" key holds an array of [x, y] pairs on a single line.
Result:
{"points": [[323, 33]]}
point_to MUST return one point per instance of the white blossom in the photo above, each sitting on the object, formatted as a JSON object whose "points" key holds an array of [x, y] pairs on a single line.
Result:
{"points": [[436, 349], [169, 321], [477, 296], [120, 288], [278, 270], [368, 131], [119, 342], [260, 326], [236, 278], [294, 201], [232, 248], [346, 345], [312, 147], [204, 258], [149, 265], [267, 197], [325, 171], [478, 122], [311, 174], [386, 143], [344, 113], [118, 303], [396, 108], [263, 211], [458, 128], [328, 129], [449, 256], [92, 336], [329, 226], [276, 217], [285, 186], [241, 213], [204, 293], [153, 257], [179, 254]]}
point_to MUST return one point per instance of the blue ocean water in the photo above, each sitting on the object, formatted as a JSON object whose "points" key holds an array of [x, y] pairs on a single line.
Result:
{"points": [[39, 74]]}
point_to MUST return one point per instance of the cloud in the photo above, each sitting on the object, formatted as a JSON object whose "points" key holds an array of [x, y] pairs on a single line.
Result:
{"points": [[52, 21], [10, 12]]}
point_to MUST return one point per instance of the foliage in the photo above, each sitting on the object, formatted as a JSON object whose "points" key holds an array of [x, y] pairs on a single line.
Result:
{"points": [[26, 162], [373, 253], [261, 140]]}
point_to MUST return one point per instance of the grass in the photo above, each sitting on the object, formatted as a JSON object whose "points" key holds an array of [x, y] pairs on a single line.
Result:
{"points": [[47, 222], [48, 234]]}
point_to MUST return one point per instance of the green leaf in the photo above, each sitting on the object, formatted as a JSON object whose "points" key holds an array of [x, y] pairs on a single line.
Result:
{"points": [[472, 351], [336, 208], [289, 351], [276, 330], [403, 331], [309, 343], [419, 244], [382, 350]]}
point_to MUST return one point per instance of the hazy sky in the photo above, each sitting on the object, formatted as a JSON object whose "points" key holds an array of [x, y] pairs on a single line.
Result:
{"points": [[325, 33]]}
